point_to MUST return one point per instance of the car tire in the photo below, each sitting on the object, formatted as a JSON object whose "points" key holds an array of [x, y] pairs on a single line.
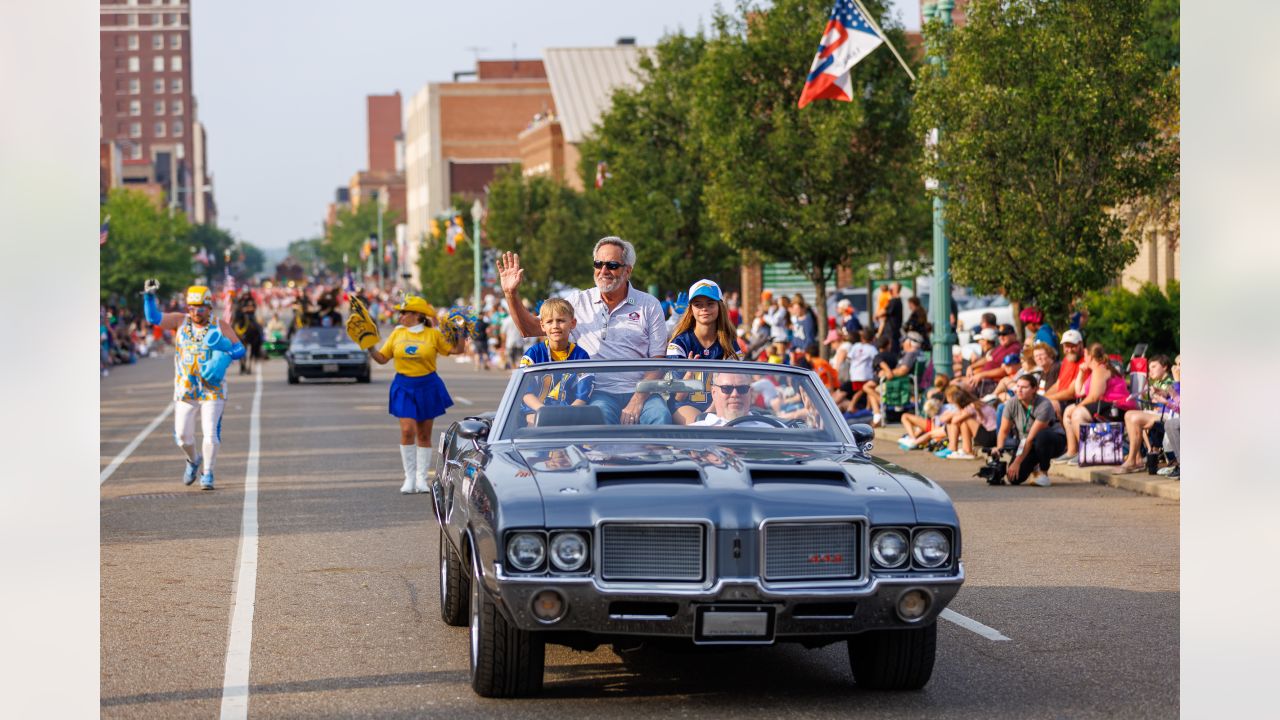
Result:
{"points": [[293, 377], [506, 662], [455, 586], [893, 659], [363, 378]]}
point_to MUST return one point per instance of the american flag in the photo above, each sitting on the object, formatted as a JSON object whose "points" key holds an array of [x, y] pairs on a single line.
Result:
{"points": [[602, 173], [103, 230], [848, 38]]}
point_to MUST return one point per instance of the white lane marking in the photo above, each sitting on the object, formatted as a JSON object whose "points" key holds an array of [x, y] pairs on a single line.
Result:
{"points": [[971, 625], [463, 400], [235, 679], [128, 449]]}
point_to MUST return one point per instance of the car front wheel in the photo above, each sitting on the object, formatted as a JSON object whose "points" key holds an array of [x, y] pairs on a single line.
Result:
{"points": [[454, 587], [506, 662], [893, 659]]}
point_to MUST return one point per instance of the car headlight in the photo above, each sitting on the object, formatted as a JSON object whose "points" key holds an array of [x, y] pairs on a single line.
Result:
{"points": [[889, 548], [931, 548], [526, 551], [568, 551]]}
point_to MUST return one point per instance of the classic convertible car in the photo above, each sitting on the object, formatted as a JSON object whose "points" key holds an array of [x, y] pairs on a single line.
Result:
{"points": [[763, 519]]}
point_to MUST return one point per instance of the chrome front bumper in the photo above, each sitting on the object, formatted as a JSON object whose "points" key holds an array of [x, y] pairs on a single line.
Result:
{"points": [[799, 611]]}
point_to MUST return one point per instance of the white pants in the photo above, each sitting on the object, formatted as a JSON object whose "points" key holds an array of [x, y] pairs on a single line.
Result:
{"points": [[184, 428]]}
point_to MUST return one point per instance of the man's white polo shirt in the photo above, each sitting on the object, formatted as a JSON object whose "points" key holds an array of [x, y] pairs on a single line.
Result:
{"points": [[634, 329]]}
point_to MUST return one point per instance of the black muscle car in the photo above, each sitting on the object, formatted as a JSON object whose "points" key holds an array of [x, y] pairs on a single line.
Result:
{"points": [[756, 516]]}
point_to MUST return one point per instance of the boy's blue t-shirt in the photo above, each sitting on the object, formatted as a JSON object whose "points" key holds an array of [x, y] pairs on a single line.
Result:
{"points": [[558, 388]]}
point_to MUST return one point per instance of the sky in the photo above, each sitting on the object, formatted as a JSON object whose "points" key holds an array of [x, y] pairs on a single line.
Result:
{"points": [[280, 86]]}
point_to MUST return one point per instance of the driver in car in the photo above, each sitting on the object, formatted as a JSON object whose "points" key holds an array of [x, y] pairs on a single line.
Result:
{"points": [[731, 396]]}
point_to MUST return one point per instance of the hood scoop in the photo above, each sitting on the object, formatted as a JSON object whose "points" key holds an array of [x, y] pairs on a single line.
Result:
{"points": [[664, 476], [795, 476]]}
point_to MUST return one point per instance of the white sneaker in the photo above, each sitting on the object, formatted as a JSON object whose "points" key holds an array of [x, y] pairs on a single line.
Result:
{"points": [[1039, 479], [877, 420], [960, 455]]}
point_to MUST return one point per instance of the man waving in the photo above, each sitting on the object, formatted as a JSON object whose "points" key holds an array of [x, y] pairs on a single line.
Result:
{"points": [[615, 322]]}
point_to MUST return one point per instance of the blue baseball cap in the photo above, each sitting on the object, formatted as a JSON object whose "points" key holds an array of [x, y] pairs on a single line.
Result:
{"points": [[705, 288]]}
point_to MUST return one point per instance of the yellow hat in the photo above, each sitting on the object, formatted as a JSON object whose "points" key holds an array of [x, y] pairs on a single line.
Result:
{"points": [[413, 303], [198, 295]]}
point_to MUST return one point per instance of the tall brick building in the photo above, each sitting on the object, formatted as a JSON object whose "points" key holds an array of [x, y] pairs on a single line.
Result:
{"points": [[148, 129]]}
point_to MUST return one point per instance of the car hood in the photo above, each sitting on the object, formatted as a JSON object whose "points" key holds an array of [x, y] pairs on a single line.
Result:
{"points": [[733, 485]]}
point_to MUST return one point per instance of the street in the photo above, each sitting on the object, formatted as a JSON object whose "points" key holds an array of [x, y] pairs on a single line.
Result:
{"points": [[1070, 608]]}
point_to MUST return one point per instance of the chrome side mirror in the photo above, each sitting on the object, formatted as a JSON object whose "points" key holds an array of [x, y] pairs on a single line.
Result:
{"points": [[863, 434]]}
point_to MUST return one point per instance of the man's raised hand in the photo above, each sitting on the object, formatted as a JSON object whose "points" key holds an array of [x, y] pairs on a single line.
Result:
{"points": [[510, 272], [150, 286]]}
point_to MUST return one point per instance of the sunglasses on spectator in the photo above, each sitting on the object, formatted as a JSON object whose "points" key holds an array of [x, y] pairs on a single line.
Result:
{"points": [[607, 264], [729, 389]]}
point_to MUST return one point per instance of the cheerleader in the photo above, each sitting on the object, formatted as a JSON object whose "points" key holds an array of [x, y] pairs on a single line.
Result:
{"points": [[702, 332], [418, 396]]}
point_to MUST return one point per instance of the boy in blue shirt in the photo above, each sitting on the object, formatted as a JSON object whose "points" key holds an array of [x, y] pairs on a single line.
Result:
{"points": [[558, 322]]}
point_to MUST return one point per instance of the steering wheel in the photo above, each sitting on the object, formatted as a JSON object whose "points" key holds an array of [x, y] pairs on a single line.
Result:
{"points": [[766, 419]]}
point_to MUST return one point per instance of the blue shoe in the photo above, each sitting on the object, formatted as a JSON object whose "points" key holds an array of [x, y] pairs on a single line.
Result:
{"points": [[206, 481], [944, 452], [193, 470]]}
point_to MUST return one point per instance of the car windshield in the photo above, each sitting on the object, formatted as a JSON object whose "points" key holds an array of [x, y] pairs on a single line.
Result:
{"points": [[691, 399], [322, 337]]}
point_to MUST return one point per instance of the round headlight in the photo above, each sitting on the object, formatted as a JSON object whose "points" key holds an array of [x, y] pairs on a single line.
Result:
{"points": [[889, 548], [931, 548], [568, 551], [526, 551]]}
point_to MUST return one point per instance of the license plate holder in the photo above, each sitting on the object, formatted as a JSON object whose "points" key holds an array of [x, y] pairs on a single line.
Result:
{"points": [[734, 624], [329, 367]]}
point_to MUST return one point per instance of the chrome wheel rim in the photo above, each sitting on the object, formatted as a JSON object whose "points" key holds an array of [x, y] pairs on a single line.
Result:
{"points": [[475, 621], [444, 570]]}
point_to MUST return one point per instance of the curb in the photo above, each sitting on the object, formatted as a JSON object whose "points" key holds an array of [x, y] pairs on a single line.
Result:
{"points": [[1140, 483]]}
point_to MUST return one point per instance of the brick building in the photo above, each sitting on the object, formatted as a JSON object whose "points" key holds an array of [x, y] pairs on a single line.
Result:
{"points": [[458, 134], [148, 128], [384, 173]]}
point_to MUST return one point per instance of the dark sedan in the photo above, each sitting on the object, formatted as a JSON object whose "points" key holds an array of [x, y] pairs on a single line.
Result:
{"points": [[761, 518], [325, 352]]}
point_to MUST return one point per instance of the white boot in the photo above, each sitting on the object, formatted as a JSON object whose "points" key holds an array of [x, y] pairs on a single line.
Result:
{"points": [[424, 469], [409, 458]]}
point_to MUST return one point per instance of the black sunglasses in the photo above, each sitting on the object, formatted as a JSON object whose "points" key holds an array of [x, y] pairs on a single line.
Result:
{"points": [[729, 389], [607, 264]]}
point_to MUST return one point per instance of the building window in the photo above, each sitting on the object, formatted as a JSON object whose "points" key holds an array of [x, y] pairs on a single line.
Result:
{"points": [[135, 107], [157, 41], [171, 18], [135, 130], [157, 63], [177, 128], [159, 129], [175, 41], [159, 108], [157, 86], [133, 41], [134, 65], [131, 19], [135, 86], [135, 151], [175, 85], [175, 107], [175, 63]]}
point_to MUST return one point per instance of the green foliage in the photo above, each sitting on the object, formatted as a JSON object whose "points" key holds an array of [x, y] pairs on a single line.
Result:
{"points": [[1048, 125], [306, 251], [253, 259], [144, 242], [654, 195], [1120, 319], [1163, 22], [215, 241], [832, 183], [350, 229], [445, 277], [552, 227]]}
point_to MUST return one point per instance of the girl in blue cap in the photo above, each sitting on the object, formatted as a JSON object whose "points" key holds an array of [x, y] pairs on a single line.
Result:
{"points": [[703, 332]]}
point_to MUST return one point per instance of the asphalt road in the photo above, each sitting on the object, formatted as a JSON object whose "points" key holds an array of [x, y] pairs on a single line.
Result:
{"points": [[1081, 579]]}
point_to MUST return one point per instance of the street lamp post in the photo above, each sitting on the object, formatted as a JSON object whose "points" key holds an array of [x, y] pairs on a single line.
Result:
{"points": [[377, 198], [477, 212], [944, 337]]}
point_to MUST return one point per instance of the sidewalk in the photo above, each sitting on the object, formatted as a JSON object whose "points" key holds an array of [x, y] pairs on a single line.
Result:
{"points": [[1142, 483]]}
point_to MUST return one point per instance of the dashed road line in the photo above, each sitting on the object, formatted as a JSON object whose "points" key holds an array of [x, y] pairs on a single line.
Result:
{"points": [[972, 625], [235, 679], [463, 400], [133, 445]]}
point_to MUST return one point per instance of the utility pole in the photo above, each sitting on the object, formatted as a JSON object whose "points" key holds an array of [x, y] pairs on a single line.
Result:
{"points": [[940, 300], [477, 212]]}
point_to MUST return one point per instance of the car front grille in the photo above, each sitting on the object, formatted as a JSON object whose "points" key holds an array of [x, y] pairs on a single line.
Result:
{"points": [[811, 551], [652, 552]]}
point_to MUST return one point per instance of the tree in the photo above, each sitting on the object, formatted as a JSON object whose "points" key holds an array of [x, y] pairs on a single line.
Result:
{"points": [[145, 242], [252, 258], [1048, 112], [819, 186], [448, 276], [548, 224], [215, 242], [654, 195], [306, 251], [349, 231], [1162, 42]]}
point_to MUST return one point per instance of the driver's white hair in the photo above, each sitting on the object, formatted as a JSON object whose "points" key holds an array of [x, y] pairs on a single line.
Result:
{"points": [[628, 250]]}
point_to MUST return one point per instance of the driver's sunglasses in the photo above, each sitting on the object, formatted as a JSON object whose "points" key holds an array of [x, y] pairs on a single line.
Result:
{"points": [[606, 264], [729, 389]]}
